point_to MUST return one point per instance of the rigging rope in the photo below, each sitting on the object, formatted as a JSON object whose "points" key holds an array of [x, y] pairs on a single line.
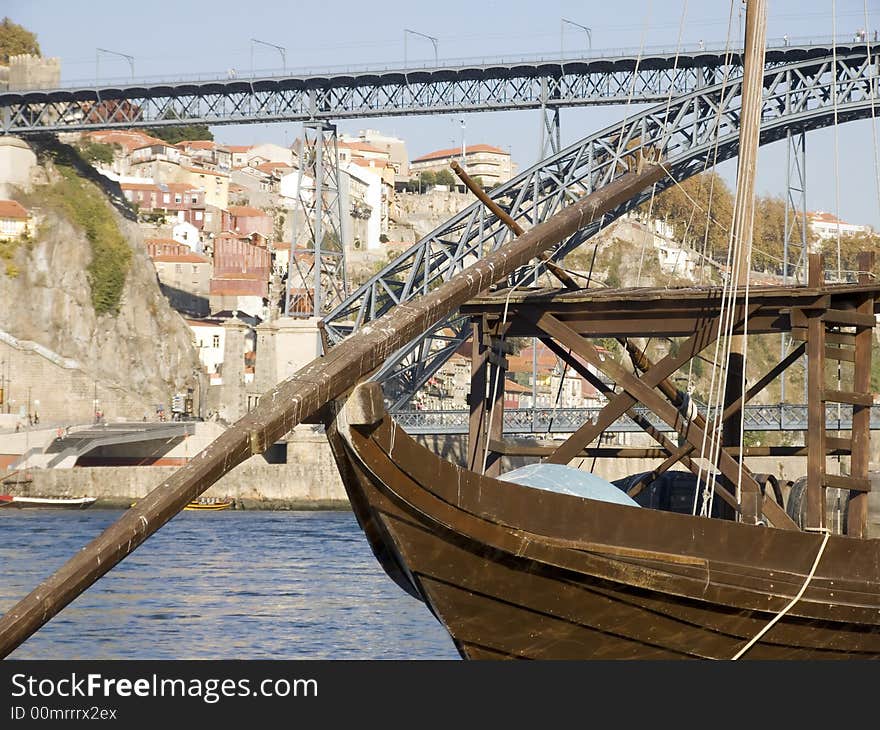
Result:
{"points": [[791, 603]]}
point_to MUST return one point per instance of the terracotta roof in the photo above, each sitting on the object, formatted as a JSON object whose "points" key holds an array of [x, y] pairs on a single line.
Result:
{"points": [[129, 139], [456, 151], [239, 148], [511, 386], [138, 186], [148, 241], [203, 171], [270, 167], [245, 211], [361, 146], [197, 144], [13, 209]]}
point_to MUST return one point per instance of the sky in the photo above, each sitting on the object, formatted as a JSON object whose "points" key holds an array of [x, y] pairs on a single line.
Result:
{"points": [[173, 39]]}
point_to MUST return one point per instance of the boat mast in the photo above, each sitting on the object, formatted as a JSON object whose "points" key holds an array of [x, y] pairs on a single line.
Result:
{"points": [[744, 213]]}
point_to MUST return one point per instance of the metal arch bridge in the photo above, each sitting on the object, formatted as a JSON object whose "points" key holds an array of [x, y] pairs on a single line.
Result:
{"points": [[691, 132], [536, 421], [469, 87]]}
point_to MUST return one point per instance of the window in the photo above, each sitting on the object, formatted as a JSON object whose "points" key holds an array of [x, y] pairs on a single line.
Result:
{"points": [[195, 269], [166, 198], [198, 215], [216, 340], [178, 268], [178, 198], [194, 199]]}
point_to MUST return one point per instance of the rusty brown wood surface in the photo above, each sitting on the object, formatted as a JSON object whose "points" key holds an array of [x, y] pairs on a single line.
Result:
{"points": [[517, 572], [815, 436], [299, 397], [857, 509]]}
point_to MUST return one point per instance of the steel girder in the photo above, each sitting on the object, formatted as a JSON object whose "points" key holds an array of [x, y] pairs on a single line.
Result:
{"points": [[690, 132], [531, 421], [489, 87]]}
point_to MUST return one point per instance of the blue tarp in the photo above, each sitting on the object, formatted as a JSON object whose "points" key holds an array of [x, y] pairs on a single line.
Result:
{"points": [[568, 480]]}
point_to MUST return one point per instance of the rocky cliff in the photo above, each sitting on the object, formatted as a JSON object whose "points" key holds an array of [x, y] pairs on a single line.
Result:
{"points": [[47, 295]]}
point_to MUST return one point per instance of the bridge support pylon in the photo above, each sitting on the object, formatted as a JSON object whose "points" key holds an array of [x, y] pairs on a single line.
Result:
{"points": [[316, 272]]}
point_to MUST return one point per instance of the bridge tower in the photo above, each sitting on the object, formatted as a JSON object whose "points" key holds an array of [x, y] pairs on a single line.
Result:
{"points": [[795, 233], [316, 277]]}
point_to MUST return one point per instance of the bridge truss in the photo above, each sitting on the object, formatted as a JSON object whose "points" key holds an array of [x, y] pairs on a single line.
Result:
{"points": [[506, 85]]}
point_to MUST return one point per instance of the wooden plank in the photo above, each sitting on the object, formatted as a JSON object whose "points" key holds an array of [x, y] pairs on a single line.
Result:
{"points": [[477, 397], [849, 318], [491, 464], [848, 396], [838, 353], [815, 435], [510, 448], [835, 444], [857, 510], [618, 404], [637, 418], [842, 481], [644, 392]]}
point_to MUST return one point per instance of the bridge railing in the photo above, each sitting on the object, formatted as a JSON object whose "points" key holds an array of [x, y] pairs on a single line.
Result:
{"points": [[713, 47], [779, 417]]}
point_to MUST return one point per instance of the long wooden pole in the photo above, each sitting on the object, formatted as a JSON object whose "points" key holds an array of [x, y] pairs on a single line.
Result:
{"points": [[744, 212], [298, 398]]}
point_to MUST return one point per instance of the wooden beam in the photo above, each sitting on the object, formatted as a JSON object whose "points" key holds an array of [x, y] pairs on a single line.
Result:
{"points": [[815, 512], [477, 397], [857, 510], [621, 402], [644, 392]]}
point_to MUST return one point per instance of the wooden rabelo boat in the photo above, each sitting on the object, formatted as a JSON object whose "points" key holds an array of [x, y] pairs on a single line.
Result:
{"points": [[516, 571]]}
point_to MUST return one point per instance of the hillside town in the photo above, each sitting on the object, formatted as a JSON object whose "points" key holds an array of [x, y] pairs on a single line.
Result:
{"points": [[219, 222]]}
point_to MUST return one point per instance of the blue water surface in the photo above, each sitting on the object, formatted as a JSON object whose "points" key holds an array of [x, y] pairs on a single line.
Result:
{"points": [[219, 585]]}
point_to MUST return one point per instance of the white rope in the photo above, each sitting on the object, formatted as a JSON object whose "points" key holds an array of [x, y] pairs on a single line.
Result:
{"points": [[497, 368], [791, 603]]}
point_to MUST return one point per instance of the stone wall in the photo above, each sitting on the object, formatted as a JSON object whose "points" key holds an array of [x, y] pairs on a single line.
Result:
{"points": [[309, 479], [27, 71], [38, 380]]}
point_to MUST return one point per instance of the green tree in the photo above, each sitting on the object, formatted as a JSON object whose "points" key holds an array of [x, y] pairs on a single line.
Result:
{"points": [[427, 177], [15, 39], [444, 177], [182, 133], [699, 209]]}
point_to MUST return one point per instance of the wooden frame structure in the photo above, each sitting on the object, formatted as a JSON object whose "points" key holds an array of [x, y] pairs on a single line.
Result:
{"points": [[832, 321]]}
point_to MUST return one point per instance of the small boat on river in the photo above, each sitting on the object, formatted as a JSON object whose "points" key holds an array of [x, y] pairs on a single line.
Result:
{"points": [[210, 504], [8, 500]]}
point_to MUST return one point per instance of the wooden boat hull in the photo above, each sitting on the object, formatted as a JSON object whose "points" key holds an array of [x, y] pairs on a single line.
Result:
{"points": [[514, 572], [47, 502]]}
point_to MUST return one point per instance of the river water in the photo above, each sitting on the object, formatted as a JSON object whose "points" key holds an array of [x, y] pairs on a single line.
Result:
{"points": [[220, 585]]}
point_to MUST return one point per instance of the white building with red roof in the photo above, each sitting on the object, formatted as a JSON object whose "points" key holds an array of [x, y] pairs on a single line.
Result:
{"points": [[826, 225], [491, 164], [15, 220]]}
